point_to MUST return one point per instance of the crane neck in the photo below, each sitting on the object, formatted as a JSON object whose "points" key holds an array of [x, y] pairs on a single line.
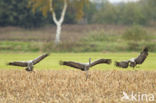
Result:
{"points": [[89, 61]]}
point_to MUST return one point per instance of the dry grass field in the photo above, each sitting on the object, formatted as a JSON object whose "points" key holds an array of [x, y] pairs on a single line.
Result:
{"points": [[70, 33], [71, 86]]}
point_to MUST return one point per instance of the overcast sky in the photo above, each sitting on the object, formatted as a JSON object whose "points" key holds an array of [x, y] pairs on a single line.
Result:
{"points": [[114, 1], [122, 0]]}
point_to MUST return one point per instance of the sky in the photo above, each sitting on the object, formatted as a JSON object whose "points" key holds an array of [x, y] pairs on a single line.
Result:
{"points": [[121, 0], [116, 1]]}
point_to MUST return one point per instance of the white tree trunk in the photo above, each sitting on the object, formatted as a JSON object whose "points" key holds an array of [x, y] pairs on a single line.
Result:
{"points": [[58, 33], [58, 22]]}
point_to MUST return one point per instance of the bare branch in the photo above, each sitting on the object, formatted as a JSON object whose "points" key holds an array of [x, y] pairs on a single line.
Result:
{"points": [[50, 5], [63, 11], [53, 12]]}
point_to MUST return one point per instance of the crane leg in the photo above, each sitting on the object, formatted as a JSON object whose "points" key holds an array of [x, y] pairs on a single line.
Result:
{"points": [[86, 73]]}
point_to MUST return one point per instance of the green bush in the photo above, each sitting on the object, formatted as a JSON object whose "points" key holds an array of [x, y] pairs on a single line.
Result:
{"points": [[135, 33], [136, 37], [100, 35]]}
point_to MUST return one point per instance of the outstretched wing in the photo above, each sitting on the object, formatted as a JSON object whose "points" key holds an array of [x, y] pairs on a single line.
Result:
{"points": [[73, 64], [18, 63], [100, 61], [141, 58], [38, 59], [122, 64]]}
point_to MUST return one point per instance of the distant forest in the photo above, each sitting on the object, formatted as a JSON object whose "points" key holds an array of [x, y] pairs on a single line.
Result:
{"points": [[17, 13]]}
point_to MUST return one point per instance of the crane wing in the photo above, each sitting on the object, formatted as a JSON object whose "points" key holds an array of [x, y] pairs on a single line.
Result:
{"points": [[122, 64], [100, 61], [141, 58], [18, 63], [73, 64], [38, 59]]}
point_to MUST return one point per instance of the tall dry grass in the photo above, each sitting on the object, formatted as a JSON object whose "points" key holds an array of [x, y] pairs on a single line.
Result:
{"points": [[69, 32], [69, 86]]}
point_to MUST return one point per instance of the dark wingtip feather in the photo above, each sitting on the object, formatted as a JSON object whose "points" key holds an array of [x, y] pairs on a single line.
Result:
{"points": [[61, 62], [9, 63], [109, 61], [47, 54], [146, 49], [116, 63]]}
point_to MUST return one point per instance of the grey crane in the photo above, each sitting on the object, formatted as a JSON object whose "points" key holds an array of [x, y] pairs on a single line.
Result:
{"points": [[140, 59], [85, 66], [28, 64], [134, 61]]}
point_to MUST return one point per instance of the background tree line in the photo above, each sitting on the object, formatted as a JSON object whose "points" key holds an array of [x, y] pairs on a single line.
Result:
{"points": [[142, 12], [17, 13]]}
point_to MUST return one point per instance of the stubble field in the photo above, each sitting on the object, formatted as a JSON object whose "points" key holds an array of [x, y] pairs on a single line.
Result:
{"points": [[71, 86]]}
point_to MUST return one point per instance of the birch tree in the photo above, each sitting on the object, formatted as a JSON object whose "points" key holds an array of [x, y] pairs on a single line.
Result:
{"points": [[47, 6]]}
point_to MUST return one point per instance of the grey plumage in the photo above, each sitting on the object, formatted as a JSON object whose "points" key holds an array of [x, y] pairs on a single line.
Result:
{"points": [[85, 66], [122, 64], [141, 58], [28, 64], [132, 64], [134, 61]]}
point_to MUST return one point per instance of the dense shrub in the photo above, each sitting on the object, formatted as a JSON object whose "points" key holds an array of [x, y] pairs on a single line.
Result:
{"points": [[136, 37], [135, 33]]}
